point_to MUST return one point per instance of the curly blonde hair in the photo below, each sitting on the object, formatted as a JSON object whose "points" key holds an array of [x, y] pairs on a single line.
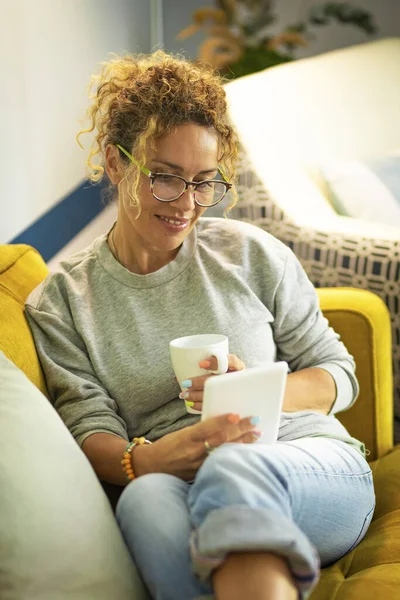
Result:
{"points": [[140, 98]]}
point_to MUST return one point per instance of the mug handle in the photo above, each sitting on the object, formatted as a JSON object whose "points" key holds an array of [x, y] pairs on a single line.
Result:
{"points": [[222, 359]]}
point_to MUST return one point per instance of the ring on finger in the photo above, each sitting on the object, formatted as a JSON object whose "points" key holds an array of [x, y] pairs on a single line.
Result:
{"points": [[208, 447]]}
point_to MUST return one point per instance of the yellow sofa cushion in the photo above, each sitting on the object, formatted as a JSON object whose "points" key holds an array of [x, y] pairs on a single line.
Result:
{"points": [[372, 570], [21, 270]]}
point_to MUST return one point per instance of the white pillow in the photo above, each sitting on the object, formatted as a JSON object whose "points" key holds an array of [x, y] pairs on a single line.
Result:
{"points": [[59, 539], [368, 189]]}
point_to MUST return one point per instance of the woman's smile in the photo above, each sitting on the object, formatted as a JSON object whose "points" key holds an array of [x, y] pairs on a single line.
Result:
{"points": [[173, 224]]}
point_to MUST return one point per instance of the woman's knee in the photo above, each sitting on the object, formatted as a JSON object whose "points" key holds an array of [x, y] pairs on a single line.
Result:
{"points": [[142, 495], [242, 461], [240, 474], [228, 455]]}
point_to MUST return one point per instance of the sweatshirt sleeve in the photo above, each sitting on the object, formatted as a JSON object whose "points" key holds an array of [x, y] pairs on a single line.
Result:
{"points": [[304, 338], [77, 394]]}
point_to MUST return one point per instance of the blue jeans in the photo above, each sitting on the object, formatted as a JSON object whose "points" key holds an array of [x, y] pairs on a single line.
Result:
{"points": [[309, 500]]}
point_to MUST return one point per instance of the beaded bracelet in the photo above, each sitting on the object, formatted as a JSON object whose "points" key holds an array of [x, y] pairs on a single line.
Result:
{"points": [[126, 460]]}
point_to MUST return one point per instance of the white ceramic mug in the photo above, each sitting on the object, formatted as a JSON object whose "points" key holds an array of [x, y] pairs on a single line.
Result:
{"points": [[187, 352]]}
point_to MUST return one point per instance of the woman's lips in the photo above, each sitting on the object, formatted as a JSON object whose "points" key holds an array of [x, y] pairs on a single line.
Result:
{"points": [[173, 224]]}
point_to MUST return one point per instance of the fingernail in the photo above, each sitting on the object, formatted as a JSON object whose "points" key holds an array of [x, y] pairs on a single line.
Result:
{"points": [[255, 420], [183, 395], [191, 404], [257, 434], [204, 364], [187, 383]]}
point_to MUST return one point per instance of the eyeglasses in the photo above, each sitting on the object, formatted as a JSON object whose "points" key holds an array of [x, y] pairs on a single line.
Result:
{"points": [[167, 188]]}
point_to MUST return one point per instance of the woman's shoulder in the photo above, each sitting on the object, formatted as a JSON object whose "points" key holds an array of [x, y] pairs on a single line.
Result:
{"points": [[68, 276], [231, 235]]}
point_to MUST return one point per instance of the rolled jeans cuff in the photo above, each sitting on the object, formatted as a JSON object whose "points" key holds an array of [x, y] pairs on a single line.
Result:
{"points": [[241, 529]]}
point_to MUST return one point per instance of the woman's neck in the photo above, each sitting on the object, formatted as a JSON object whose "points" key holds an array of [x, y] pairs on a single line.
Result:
{"points": [[141, 263]]}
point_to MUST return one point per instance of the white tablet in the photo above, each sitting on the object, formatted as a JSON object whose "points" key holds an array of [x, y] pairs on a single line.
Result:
{"points": [[257, 392]]}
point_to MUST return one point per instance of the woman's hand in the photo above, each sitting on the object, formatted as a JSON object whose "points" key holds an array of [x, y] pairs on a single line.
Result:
{"points": [[181, 453], [193, 395]]}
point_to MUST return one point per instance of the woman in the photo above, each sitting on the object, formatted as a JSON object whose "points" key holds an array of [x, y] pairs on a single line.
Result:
{"points": [[247, 520]]}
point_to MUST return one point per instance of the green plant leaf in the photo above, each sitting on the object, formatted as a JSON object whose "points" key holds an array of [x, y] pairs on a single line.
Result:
{"points": [[344, 13], [256, 59]]}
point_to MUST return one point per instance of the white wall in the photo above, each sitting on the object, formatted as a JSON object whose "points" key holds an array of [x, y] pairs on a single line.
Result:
{"points": [[178, 14], [48, 50]]}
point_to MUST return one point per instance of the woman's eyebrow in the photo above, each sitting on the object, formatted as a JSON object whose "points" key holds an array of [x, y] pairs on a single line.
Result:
{"points": [[178, 168]]}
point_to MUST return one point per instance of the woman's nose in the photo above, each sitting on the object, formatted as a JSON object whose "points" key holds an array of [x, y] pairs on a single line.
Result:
{"points": [[187, 200]]}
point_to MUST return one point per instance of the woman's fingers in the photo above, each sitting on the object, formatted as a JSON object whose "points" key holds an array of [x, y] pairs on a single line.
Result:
{"points": [[234, 363], [249, 438], [192, 395], [192, 399], [203, 430], [211, 364], [197, 383], [195, 405], [222, 429]]}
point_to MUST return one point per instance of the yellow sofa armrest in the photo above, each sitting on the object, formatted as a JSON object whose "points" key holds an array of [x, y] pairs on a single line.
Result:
{"points": [[363, 323], [21, 270]]}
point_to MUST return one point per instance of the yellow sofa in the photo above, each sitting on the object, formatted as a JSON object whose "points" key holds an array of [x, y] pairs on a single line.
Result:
{"points": [[372, 570]]}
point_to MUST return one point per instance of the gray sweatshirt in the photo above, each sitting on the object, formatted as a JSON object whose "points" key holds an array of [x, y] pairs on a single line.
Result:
{"points": [[102, 333]]}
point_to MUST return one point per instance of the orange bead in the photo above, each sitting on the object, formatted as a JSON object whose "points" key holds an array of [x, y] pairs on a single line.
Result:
{"points": [[126, 462]]}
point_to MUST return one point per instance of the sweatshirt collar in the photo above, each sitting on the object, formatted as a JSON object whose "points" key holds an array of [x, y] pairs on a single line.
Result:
{"points": [[160, 277]]}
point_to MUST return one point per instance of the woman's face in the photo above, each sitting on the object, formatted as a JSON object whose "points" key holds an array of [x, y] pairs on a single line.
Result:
{"points": [[191, 151]]}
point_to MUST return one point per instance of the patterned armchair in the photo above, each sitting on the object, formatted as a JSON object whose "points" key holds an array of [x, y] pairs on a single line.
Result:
{"points": [[343, 104]]}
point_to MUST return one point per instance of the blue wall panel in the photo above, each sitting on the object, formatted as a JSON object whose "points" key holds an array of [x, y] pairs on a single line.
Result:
{"points": [[51, 232]]}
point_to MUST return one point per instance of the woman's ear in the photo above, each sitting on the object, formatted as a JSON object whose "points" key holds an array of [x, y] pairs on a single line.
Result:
{"points": [[114, 166]]}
